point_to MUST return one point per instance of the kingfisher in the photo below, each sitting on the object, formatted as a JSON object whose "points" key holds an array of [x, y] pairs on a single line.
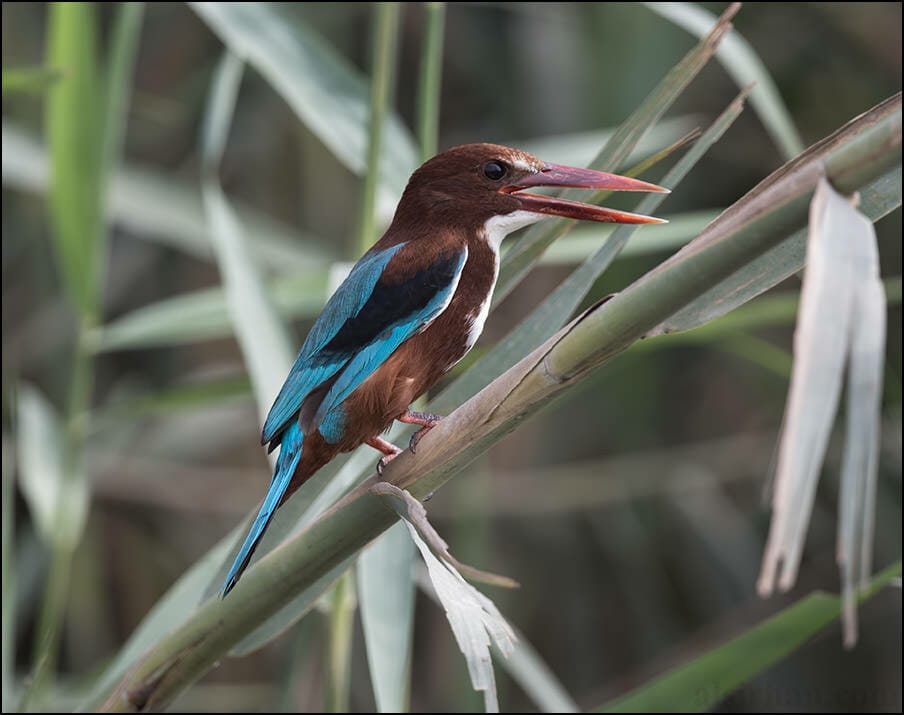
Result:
{"points": [[410, 309]]}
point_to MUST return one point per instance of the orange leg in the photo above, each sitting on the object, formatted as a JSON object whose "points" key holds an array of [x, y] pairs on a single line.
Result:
{"points": [[389, 450], [427, 422]]}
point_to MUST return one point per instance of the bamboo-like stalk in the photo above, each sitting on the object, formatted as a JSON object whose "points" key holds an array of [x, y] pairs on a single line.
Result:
{"points": [[865, 149], [384, 54], [430, 78]]}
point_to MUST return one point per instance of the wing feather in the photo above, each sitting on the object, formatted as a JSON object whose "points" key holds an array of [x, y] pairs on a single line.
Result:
{"points": [[361, 326], [311, 368]]}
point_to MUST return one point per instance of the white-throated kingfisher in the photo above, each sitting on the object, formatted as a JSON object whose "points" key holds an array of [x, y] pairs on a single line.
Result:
{"points": [[410, 309]]}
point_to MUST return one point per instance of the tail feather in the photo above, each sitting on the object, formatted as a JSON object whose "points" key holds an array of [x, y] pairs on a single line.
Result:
{"points": [[289, 455]]}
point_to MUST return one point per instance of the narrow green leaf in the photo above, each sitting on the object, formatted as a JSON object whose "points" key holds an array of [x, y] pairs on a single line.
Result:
{"points": [[706, 681], [262, 338], [30, 80], [202, 580], [326, 93], [39, 446], [73, 125], [58, 501], [156, 206], [528, 249], [220, 107], [386, 597], [746, 69], [261, 335], [559, 305]]}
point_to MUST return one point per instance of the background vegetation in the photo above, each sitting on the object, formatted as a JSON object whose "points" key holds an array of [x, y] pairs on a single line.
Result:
{"points": [[630, 510]]}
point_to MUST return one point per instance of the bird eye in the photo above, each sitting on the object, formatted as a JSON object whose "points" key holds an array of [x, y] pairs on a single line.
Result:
{"points": [[494, 170]]}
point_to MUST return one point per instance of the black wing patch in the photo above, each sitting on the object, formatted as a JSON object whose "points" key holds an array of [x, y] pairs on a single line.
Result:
{"points": [[389, 303]]}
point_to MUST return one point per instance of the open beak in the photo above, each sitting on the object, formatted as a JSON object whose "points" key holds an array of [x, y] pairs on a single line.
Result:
{"points": [[566, 176]]}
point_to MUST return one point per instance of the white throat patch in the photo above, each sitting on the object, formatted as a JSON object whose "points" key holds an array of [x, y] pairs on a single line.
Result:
{"points": [[499, 227], [496, 229]]}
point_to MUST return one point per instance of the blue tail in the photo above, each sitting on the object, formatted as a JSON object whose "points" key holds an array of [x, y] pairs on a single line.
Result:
{"points": [[289, 454]]}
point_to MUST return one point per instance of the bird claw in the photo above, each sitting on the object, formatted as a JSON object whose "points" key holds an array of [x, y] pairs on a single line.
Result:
{"points": [[384, 460], [427, 421], [415, 438]]}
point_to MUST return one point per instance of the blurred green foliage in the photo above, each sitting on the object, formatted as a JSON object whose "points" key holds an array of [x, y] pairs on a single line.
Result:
{"points": [[618, 582]]}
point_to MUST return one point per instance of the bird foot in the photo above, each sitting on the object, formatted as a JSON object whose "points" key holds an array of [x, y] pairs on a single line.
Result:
{"points": [[426, 420], [389, 450]]}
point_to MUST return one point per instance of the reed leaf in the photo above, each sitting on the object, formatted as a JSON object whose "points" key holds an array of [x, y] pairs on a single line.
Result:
{"points": [[529, 247], [326, 93], [746, 69]]}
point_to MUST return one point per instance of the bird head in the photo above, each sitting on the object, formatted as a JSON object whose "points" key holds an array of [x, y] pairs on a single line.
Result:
{"points": [[480, 183]]}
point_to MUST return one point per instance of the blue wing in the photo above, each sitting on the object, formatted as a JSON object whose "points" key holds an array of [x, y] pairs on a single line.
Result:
{"points": [[307, 373], [360, 327]]}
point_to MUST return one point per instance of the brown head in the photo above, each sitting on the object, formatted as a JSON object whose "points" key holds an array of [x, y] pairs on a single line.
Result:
{"points": [[468, 185]]}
